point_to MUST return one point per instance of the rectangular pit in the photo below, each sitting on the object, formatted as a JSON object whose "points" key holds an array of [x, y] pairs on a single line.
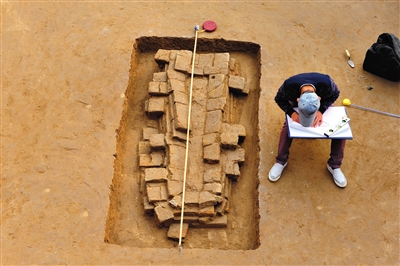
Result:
{"points": [[128, 222]]}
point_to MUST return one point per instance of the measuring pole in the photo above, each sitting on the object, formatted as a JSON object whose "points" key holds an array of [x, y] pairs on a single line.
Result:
{"points": [[187, 140]]}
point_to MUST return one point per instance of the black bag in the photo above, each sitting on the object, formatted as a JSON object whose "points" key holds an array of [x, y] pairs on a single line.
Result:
{"points": [[383, 57]]}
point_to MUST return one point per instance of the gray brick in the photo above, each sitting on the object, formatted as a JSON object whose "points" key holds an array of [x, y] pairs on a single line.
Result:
{"points": [[237, 155], [229, 140], [155, 174], [156, 192], [208, 211], [176, 85], [160, 76], [157, 141], [181, 116], [148, 207], [236, 83], [213, 122], [192, 198], [210, 70], [155, 105], [176, 158], [164, 214], [221, 60], [175, 187], [162, 56], [211, 138], [216, 104], [212, 153], [180, 97], [213, 173], [232, 170], [144, 147], [206, 198], [148, 131], [157, 88], [215, 188], [183, 61], [174, 231]]}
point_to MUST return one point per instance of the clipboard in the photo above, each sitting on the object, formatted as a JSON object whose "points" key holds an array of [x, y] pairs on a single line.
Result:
{"points": [[335, 125]]}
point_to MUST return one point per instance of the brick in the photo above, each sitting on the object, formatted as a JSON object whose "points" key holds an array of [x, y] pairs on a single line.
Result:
{"points": [[155, 174], [176, 85], [236, 83], [174, 231], [212, 153], [213, 173], [218, 222], [215, 188], [233, 67], [237, 155], [216, 104], [155, 105], [210, 70], [210, 138], [164, 214], [220, 208], [181, 116], [176, 203], [156, 192], [208, 211], [229, 140], [157, 141], [180, 97], [201, 61], [148, 131], [192, 198], [188, 211], [206, 198], [157, 88], [187, 219], [213, 122], [227, 188], [144, 147], [162, 56], [160, 76], [176, 158], [147, 206], [221, 60], [183, 61], [238, 129], [152, 159], [175, 188], [172, 74], [232, 170], [217, 86]]}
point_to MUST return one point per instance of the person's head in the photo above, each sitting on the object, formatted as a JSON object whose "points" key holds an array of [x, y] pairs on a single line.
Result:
{"points": [[308, 104]]}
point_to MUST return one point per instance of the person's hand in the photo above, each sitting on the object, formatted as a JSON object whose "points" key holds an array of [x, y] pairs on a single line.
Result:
{"points": [[295, 117], [318, 120]]}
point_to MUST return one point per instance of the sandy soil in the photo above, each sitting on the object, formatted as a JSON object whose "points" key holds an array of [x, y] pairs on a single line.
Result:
{"points": [[66, 68]]}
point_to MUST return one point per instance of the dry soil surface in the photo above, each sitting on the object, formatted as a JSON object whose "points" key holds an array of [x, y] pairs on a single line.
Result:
{"points": [[66, 73]]}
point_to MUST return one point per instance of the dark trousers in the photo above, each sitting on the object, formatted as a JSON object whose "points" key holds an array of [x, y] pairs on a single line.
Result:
{"points": [[336, 156]]}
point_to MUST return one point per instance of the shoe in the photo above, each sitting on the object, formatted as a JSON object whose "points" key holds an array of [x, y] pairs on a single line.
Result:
{"points": [[276, 171], [338, 176]]}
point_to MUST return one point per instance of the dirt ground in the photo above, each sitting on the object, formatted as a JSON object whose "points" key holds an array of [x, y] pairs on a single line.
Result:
{"points": [[65, 73]]}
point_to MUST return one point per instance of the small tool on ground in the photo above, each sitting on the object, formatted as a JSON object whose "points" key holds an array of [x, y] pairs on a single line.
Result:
{"points": [[351, 63], [346, 102]]}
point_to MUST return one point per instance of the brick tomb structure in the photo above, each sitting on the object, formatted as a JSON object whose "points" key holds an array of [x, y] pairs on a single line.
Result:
{"points": [[215, 154]]}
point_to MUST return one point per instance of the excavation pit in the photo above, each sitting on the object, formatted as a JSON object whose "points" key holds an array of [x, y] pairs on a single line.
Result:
{"points": [[221, 202]]}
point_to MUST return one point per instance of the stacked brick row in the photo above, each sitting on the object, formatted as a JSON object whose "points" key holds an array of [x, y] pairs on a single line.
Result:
{"points": [[163, 148]]}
